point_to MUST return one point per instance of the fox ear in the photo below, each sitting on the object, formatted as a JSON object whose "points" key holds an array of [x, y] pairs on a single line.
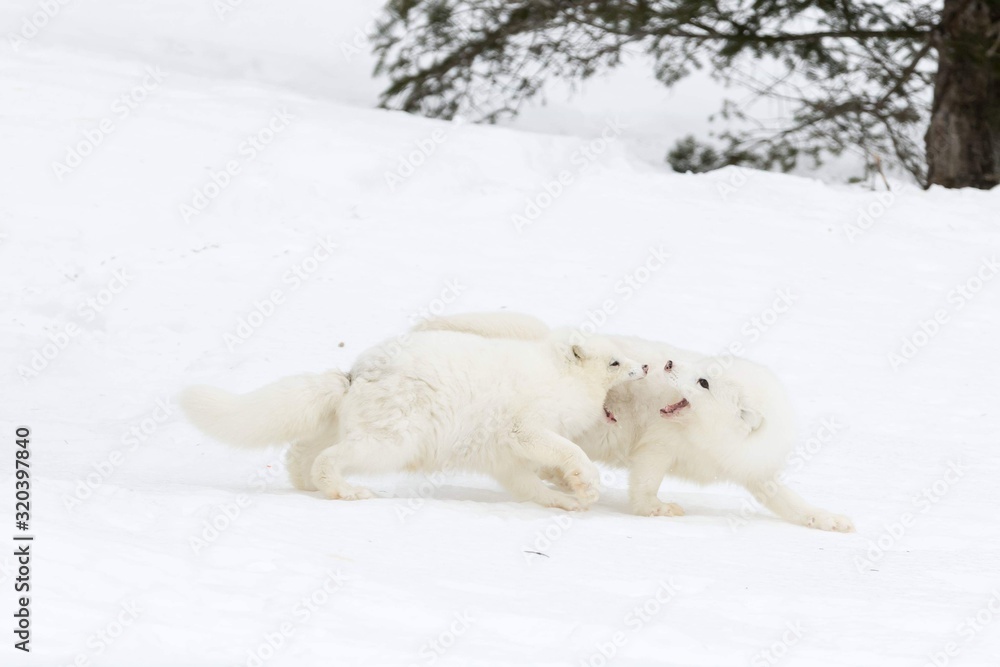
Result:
{"points": [[578, 353], [752, 418], [571, 353]]}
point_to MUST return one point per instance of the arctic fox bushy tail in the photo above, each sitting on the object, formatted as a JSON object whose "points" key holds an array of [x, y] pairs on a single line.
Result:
{"points": [[290, 409]]}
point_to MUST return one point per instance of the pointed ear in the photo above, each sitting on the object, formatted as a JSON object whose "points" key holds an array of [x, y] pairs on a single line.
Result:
{"points": [[752, 418], [577, 353], [572, 353]]}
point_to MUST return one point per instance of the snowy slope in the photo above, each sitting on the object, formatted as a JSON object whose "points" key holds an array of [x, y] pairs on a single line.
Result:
{"points": [[318, 48], [156, 546]]}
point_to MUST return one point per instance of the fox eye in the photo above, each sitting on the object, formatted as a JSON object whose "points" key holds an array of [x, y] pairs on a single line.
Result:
{"points": [[703, 382], [614, 363]]}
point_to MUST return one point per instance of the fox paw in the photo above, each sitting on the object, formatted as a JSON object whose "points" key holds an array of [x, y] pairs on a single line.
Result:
{"points": [[350, 493], [585, 483], [832, 522], [566, 502], [660, 509]]}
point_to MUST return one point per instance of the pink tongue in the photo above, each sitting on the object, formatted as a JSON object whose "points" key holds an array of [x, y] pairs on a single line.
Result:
{"points": [[670, 409]]}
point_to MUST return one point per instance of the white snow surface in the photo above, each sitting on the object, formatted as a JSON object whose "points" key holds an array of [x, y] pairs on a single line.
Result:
{"points": [[127, 567]]}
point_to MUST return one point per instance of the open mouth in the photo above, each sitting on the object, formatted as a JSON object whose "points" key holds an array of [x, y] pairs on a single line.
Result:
{"points": [[609, 416], [674, 408]]}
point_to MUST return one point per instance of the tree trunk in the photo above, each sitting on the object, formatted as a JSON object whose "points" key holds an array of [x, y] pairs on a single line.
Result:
{"points": [[963, 140]]}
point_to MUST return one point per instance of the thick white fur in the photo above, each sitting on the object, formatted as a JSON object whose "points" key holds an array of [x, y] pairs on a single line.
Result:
{"points": [[284, 411], [438, 400], [740, 430]]}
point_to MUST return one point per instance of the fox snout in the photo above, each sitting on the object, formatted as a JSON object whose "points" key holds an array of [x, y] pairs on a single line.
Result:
{"points": [[638, 372]]}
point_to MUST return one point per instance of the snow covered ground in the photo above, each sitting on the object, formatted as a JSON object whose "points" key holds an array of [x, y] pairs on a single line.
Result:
{"points": [[194, 199]]}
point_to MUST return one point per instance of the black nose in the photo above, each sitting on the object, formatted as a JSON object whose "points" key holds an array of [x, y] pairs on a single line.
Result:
{"points": [[670, 364], [645, 368]]}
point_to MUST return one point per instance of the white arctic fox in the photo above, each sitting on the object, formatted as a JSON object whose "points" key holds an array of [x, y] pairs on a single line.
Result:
{"points": [[507, 408], [699, 418]]}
